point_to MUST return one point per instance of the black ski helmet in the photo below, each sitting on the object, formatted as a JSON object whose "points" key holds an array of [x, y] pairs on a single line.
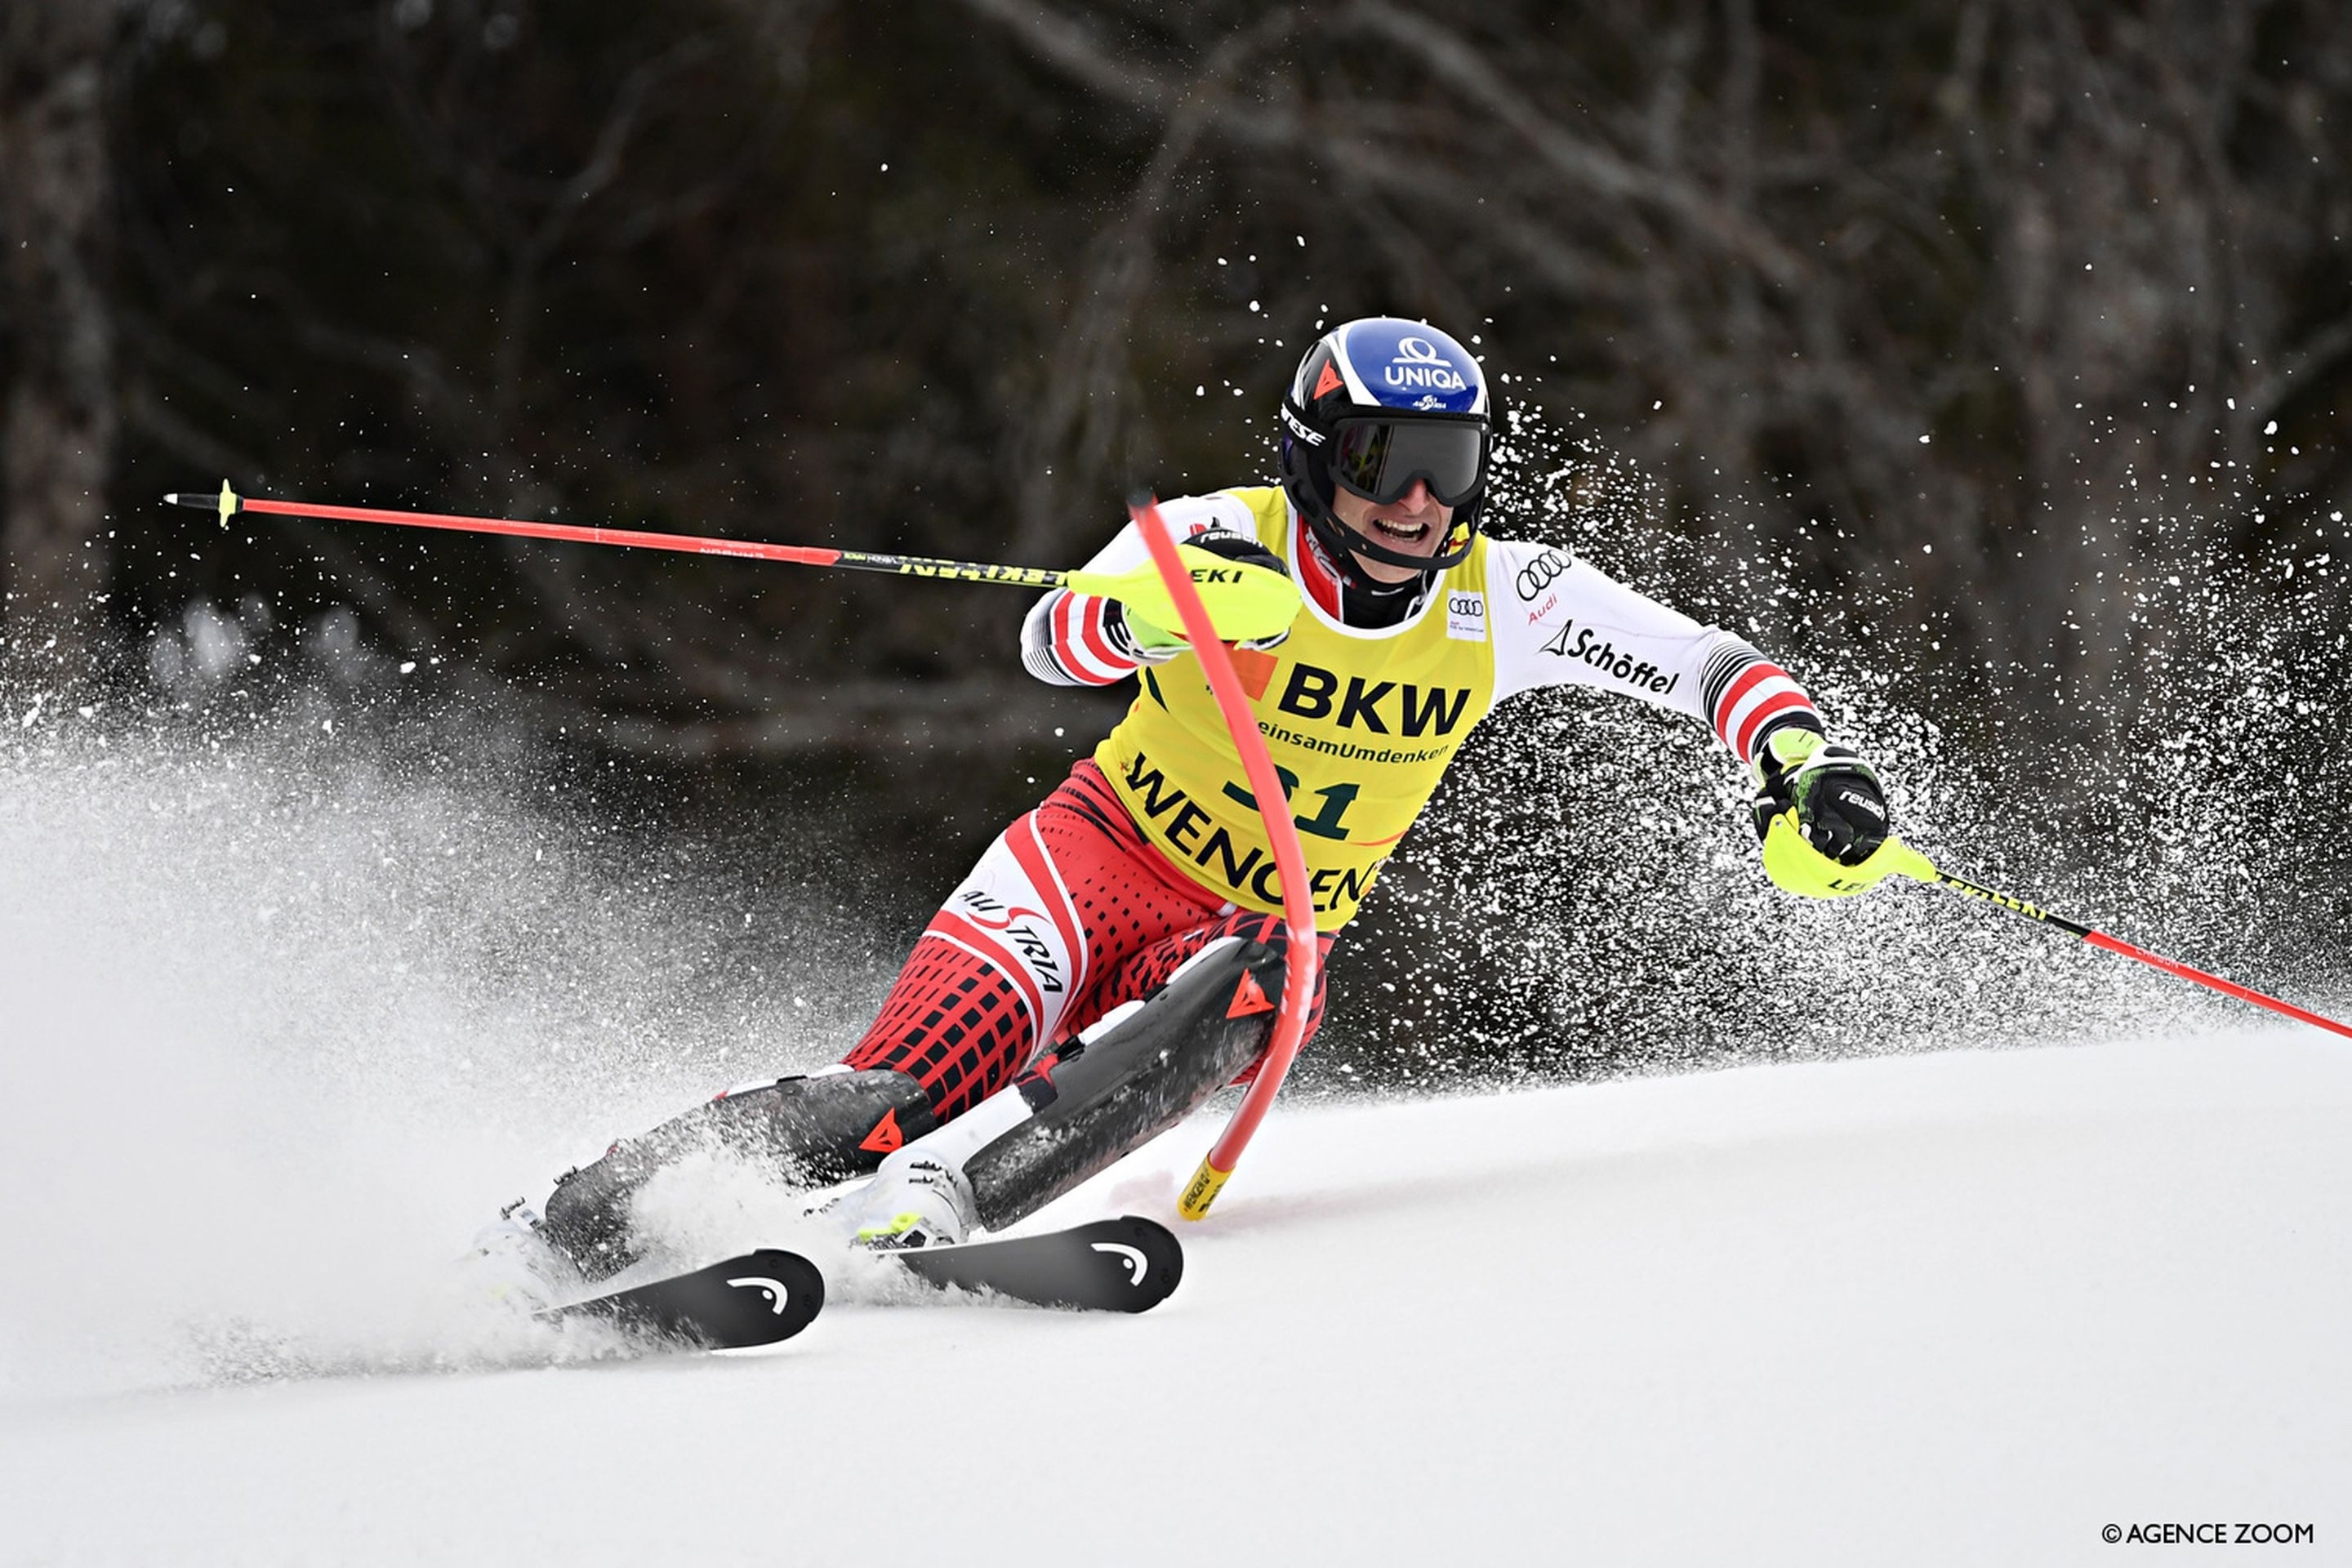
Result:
{"points": [[1377, 404]]}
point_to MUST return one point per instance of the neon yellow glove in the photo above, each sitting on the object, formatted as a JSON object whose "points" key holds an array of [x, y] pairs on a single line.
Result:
{"points": [[1243, 599], [1822, 815]]}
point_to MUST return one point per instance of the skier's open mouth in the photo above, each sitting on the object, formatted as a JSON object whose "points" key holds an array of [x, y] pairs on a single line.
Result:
{"points": [[1409, 533]]}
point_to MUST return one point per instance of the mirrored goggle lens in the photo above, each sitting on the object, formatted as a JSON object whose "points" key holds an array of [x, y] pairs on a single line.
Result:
{"points": [[1381, 460]]}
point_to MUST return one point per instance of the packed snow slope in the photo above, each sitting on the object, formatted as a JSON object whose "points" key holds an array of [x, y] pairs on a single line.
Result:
{"points": [[1964, 1308]]}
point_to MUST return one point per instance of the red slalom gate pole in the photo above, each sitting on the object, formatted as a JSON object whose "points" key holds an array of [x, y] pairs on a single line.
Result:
{"points": [[1289, 859]]}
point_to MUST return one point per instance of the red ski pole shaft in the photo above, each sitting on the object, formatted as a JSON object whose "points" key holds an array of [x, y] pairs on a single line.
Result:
{"points": [[1913, 864], [1259, 606], [228, 503]]}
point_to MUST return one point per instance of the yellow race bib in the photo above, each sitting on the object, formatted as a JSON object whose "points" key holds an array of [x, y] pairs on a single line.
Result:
{"points": [[1360, 725]]}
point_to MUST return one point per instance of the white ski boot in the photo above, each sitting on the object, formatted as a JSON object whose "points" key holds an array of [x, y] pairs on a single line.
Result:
{"points": [[912, 1201], [920, 1196], [512, 1264]]}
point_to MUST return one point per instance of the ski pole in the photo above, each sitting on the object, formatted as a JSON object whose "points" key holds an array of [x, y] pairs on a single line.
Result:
{"points": [[1266, 605], [1910, 863], [1289, 859]]}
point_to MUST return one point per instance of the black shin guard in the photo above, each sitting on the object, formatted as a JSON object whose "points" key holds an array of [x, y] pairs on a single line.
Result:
{"points": [[814, 1131], [1107, 1097]]}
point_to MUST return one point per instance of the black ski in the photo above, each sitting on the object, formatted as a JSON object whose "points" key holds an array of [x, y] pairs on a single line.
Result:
{"points": [[1125, 1265], [754, 1300]]}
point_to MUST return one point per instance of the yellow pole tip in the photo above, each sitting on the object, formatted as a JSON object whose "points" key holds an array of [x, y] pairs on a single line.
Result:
{"points": [[1206, 1184]]}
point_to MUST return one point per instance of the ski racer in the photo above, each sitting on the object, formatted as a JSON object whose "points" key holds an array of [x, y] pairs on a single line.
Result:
{"points": [[1110, 962]]}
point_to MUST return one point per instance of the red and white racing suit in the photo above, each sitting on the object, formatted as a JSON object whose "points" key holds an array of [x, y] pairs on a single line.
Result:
{"points": [[1140, 860]]}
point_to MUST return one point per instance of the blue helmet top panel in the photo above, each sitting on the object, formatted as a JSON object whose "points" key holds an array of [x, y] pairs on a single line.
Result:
{"points": [[1391, 363]]}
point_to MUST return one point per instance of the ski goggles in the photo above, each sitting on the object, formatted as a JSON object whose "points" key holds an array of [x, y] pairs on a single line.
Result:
{"points": [[1380, 458]]}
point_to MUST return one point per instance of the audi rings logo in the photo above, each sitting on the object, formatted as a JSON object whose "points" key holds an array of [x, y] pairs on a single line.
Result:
{"points": [[1539, 573]]}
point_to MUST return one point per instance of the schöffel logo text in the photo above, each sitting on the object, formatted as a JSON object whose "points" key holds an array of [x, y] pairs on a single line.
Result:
{"points": [[1578, 643]]}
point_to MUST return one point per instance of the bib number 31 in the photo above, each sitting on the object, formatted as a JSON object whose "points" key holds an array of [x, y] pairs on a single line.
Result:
{"points": [[1326, 823]]}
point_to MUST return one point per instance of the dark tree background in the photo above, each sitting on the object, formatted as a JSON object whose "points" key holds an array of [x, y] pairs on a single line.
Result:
{"points": [[945, 277], [1945, 337]]}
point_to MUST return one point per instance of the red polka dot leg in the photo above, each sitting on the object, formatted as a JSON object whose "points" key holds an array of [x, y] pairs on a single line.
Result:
{"points": [[960, 1024]]}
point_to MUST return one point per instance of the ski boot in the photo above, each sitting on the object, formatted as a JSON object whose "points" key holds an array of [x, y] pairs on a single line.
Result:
{"points": [[912, 1201], [512, 1262], [812, 1130]]}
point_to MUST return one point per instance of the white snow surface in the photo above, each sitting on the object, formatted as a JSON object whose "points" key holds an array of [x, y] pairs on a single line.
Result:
{"points": [[1962, 1307]]}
